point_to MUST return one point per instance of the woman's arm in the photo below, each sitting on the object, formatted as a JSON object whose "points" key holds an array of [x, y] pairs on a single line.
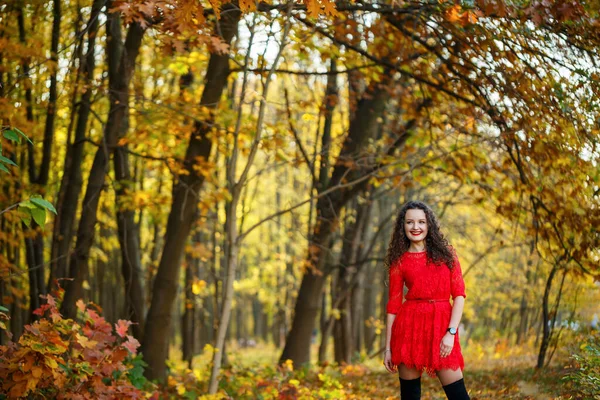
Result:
{"points": [[448, 340], [388, 330], [458, 306], [387, 353]]}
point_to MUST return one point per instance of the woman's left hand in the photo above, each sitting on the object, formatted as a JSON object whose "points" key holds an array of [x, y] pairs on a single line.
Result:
{"points": [[446, 345]]}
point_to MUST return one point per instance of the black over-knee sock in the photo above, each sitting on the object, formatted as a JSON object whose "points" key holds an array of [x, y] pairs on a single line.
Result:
{"points": [[456, 390], [410, 389]]}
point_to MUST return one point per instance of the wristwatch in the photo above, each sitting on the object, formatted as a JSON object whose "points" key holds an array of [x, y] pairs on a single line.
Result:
{"points": [[452, 331]]}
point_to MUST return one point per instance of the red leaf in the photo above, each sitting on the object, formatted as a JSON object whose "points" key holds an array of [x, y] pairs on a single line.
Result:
{"points": [[51, 300], [131, 344], [122, 326]]}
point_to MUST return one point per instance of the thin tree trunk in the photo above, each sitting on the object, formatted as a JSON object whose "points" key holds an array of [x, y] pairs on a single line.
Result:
{"points": [[34, 242], [184, 204], [188, 320], [72, 181], [121, 67], [131, 264], [546, 328], [235, 187], [363, 127]]}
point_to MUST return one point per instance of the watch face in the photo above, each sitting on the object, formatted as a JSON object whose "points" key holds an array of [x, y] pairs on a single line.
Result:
{"points": [[452, 331]]}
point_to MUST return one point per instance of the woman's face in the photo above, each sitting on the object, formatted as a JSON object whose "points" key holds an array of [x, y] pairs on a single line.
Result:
{"points": [[415, 225]]}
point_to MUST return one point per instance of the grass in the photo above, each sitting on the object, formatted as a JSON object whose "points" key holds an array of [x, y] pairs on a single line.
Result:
{"points": [[493, 370]]}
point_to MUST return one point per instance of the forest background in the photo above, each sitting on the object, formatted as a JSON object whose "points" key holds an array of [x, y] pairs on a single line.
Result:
{"points": [[217, 182]]}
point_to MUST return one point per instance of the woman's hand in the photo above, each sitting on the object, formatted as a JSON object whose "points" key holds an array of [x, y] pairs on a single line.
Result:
{"points": [[446, 345], [387, 361]]}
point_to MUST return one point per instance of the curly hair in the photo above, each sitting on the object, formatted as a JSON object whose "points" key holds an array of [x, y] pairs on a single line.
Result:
{"points": [[437, 246]]}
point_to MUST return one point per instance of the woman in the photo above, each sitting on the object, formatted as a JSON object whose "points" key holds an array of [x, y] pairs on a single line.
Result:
{"points": [[422, 332]]}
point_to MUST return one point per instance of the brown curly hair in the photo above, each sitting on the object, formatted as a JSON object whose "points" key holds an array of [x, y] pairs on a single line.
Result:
{"points": [[437, 246]]}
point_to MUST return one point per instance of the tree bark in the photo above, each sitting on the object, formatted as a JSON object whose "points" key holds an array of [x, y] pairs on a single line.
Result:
{"points": [[183, 208]]}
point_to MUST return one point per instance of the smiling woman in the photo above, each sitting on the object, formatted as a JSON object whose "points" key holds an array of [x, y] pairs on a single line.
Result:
{"points": [[422, 332], [416, 227]]}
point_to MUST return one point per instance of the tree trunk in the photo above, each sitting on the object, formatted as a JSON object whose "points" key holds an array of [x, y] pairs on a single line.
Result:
{"points": [[546, 328], [121, 61], [188, 320], [235, 186], [363, 127], [131, 265], [34, 241], [72, 181], [183, 208]]}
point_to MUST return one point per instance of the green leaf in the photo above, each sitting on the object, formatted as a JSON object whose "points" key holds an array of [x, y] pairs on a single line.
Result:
{"points": [[3, 168], [4, 309], [12, 135], [27, 204], [38, 201], [39, 216], [22, 134], [26, 217], [7, 161]]}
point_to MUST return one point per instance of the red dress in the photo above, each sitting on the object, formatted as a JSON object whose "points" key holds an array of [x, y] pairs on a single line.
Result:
{"points": [[422, 320]]}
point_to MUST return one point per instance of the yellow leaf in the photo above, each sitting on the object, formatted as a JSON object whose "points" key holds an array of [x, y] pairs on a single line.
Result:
{"points": [[85, 342], [336, 313], [197, 286], [180, 390], [51, 362]]}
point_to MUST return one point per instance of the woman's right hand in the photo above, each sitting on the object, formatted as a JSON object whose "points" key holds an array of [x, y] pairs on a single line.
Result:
{"points": [[387, 361]]}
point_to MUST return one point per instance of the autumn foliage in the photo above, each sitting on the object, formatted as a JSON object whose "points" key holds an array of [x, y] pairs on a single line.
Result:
{"points": [[66, 359]]}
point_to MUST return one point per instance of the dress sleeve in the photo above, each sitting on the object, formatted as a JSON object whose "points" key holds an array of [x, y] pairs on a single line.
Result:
{"points": [[457, 284], [396, 289]]}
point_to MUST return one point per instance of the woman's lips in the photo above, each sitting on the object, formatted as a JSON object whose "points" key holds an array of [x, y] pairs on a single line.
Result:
{"points": [[416, 233]]}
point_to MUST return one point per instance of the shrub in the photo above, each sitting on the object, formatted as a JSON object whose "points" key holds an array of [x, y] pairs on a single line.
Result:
{"points": [[585, 372], [65, 359]]}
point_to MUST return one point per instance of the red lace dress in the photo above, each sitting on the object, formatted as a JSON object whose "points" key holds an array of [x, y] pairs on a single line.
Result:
{"points": [[422, 320]]}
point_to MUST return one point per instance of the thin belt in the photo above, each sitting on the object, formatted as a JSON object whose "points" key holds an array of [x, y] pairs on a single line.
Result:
{"points": [[428, 300]]}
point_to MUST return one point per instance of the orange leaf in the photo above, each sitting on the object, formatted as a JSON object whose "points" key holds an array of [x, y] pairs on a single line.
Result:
{"points": [[313, 7], [36, 372], [469, 17], [247, 5], [454, 14], [329, 9]]}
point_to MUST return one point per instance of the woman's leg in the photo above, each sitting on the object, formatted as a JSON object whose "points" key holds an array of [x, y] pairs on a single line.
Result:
{"points": [[410, 383], [453, 384]]}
